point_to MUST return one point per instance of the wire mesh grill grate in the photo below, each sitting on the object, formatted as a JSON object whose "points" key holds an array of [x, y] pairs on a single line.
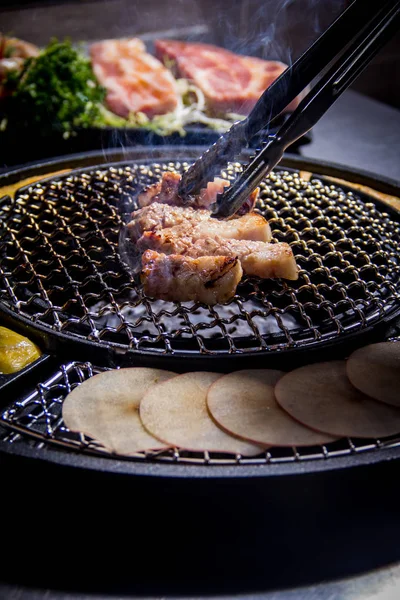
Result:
{"points": [[61, 267], [39, 415]]}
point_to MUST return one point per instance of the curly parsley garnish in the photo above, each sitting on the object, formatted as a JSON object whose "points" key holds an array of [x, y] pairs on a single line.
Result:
{"points": [[56, 90]]}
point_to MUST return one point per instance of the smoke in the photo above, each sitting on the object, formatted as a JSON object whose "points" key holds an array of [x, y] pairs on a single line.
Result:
{"points": [[273, 29], [265, 30]]}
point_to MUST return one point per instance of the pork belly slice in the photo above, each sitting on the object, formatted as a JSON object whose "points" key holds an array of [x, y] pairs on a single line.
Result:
{"points": [[166, 192], [208, 279], [135, 81], [157, 216], [187, 222], [259, 259], [230, 82], [268, 261], [251, 226]]}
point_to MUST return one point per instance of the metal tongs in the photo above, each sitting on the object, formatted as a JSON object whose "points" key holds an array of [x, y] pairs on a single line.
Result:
{"points": [[353, 40]]}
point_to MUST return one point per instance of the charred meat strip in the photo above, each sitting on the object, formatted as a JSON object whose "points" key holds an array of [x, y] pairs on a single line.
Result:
{"points": [[259, 259], [208, 279], [187, 222]]}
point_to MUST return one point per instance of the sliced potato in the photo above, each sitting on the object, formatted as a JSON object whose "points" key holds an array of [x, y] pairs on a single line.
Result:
{"points": [[244, 404], [105, 407], [176, 412], [322, 397], [375, 371]]}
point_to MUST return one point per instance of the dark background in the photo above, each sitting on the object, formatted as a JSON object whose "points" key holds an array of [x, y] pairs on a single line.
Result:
{"points": [[280, 29]]}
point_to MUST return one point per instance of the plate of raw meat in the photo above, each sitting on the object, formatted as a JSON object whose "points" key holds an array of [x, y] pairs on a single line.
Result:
{"points": [[116, 93]]}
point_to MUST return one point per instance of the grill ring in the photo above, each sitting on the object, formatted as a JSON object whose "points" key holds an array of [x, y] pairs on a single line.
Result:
{"points": [[62, 274], [351, 453]]}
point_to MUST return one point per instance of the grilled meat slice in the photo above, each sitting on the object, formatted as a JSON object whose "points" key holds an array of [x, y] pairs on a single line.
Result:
{"points": [[208, 279], [190, 256], [257, 258], [186, 222], [268, 261], [251, 226], [157, 216], [166, 192]]}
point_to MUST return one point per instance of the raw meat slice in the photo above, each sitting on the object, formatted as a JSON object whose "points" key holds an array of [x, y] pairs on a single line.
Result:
{"points": [[135, 81], [13, 53], [208, 279], [230, 82]]}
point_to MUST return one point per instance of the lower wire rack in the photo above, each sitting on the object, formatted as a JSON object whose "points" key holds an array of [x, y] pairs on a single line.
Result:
{"points": [[39, 416]]}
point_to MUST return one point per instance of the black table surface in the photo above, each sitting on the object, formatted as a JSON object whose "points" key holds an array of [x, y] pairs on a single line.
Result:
{"points": [[356, 132]]}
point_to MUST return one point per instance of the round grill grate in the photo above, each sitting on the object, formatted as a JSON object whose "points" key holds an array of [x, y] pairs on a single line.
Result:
{"points": [[61, 268]]}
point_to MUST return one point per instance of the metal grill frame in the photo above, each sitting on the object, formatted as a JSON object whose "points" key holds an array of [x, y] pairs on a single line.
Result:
{"points": [[15, 444], [114, 353]]}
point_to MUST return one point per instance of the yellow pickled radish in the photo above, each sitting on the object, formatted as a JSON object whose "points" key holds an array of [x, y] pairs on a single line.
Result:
{"points": [[16, 351]]}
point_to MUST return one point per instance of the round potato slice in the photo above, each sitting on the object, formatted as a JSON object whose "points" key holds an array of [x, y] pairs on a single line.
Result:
{"points": [[322, 397], [375, 371], [244, 404], [176, 412], [105, 407]]}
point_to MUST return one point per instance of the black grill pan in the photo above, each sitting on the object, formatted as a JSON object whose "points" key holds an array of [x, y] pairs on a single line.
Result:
{"points": [[68, 517]]}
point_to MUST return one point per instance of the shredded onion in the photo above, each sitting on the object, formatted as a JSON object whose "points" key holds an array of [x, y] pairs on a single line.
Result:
{"points": [[192, 108]]}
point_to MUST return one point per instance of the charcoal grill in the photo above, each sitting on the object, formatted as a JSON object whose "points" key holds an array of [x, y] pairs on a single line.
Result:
{"points": [[65, 280]]}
